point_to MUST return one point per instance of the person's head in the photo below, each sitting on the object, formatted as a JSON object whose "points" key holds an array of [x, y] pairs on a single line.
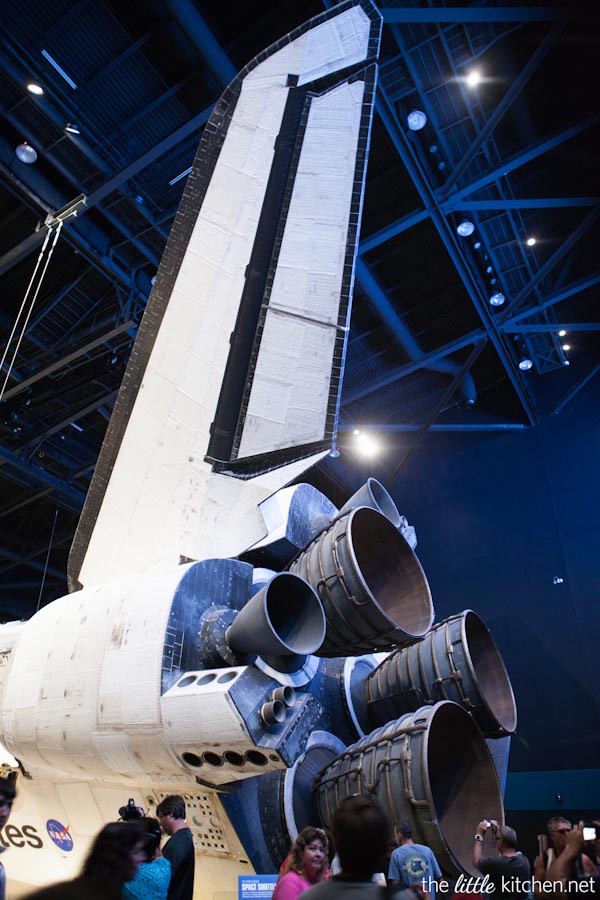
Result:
{"points": [[506, 838], [7, 795], [170, 812], [403, 832], [558, 828], [361, 831], [116, 854], [152, 834], [308, 855]]}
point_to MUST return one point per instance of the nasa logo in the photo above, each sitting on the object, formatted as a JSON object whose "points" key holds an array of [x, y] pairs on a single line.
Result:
{"points": [[59, 834]]}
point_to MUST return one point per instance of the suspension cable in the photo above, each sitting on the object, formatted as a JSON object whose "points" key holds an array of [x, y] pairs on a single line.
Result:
{"points": [[34, 298]]}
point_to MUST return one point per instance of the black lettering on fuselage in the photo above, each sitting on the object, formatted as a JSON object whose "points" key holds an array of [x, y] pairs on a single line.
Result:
{"points": [[13, 836], [35, 840]]}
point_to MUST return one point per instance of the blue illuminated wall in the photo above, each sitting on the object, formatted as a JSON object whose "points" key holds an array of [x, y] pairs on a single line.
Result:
{"points": [[498, 516]]}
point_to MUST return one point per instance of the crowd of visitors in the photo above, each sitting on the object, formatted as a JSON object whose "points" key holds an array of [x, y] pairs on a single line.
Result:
{"points": [[125, 861]]}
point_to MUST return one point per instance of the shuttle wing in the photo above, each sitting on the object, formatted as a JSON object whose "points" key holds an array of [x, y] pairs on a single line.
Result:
{"points": [[232, 389]]}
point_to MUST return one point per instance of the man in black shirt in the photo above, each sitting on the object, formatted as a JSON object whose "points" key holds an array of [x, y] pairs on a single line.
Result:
{"points": [[179, 849], [509, 872]]}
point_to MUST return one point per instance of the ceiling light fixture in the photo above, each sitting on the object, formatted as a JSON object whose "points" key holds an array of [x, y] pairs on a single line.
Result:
{"points": [[26, 153], [562, 332], [525, 364], [34, 88], [530, 241], [465, 229], [497, 298], [473, 78], [567, 362], [59, 69], [180, 176], [72, 128], [566, 347], [416, 120]]}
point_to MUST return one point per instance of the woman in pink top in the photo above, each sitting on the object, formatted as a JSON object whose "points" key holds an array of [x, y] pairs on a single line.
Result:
{"points": [[307, 864]]}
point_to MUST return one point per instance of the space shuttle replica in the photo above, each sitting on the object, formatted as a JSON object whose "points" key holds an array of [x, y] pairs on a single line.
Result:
{"points": [[218, 639]]}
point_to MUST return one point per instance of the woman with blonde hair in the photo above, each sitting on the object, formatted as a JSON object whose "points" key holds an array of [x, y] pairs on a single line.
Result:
{"points": [[307, 864]]}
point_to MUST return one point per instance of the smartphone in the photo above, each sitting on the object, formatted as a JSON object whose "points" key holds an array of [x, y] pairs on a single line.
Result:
{"points": [[589, 832], [542, 843]]}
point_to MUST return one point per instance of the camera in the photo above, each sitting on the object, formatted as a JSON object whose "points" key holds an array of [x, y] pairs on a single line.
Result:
{"points": [[589, 833], [487, 823], [131, 811]]}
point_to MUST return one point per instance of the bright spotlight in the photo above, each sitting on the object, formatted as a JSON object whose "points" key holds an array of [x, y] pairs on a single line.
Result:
{"points": [[366, 445], [473, 78], [566, 347], [35, 88], [530, 241], [497, 299], [562, 332], [525, 364]]}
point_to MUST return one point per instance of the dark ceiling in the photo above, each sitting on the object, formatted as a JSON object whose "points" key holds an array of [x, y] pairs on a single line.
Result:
{"points": [[516, 156]]}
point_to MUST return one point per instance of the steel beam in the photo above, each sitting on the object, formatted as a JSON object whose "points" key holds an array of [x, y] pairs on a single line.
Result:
{"points": [[449, 426], [467, 14], [69, 358], [552, 262], [518, 203], [525, 156], [390, 231], [422, 362], [71, 497], [578, 387], [502, 108], [37, 439], [32, 498], [399, 140], [17, 559], [549, 300], [439, 407], [536, 329]]}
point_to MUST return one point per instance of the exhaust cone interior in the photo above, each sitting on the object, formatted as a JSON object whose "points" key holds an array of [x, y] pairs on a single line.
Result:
{"points": [[431, 767], [457, 660], [371, 584], [284, 618]]}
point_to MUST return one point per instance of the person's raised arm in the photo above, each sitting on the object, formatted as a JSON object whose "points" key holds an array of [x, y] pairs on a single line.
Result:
{"points": [[478, 843], [563, 866]]}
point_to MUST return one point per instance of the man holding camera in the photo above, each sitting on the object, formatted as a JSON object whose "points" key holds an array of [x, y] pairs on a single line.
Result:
{"points": [[508, 871], [179, 849]]}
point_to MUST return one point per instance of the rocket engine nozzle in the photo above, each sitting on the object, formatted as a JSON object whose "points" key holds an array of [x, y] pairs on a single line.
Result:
{"points": [[370, 582], [431, 767], [285, 618], [457, 660]]}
